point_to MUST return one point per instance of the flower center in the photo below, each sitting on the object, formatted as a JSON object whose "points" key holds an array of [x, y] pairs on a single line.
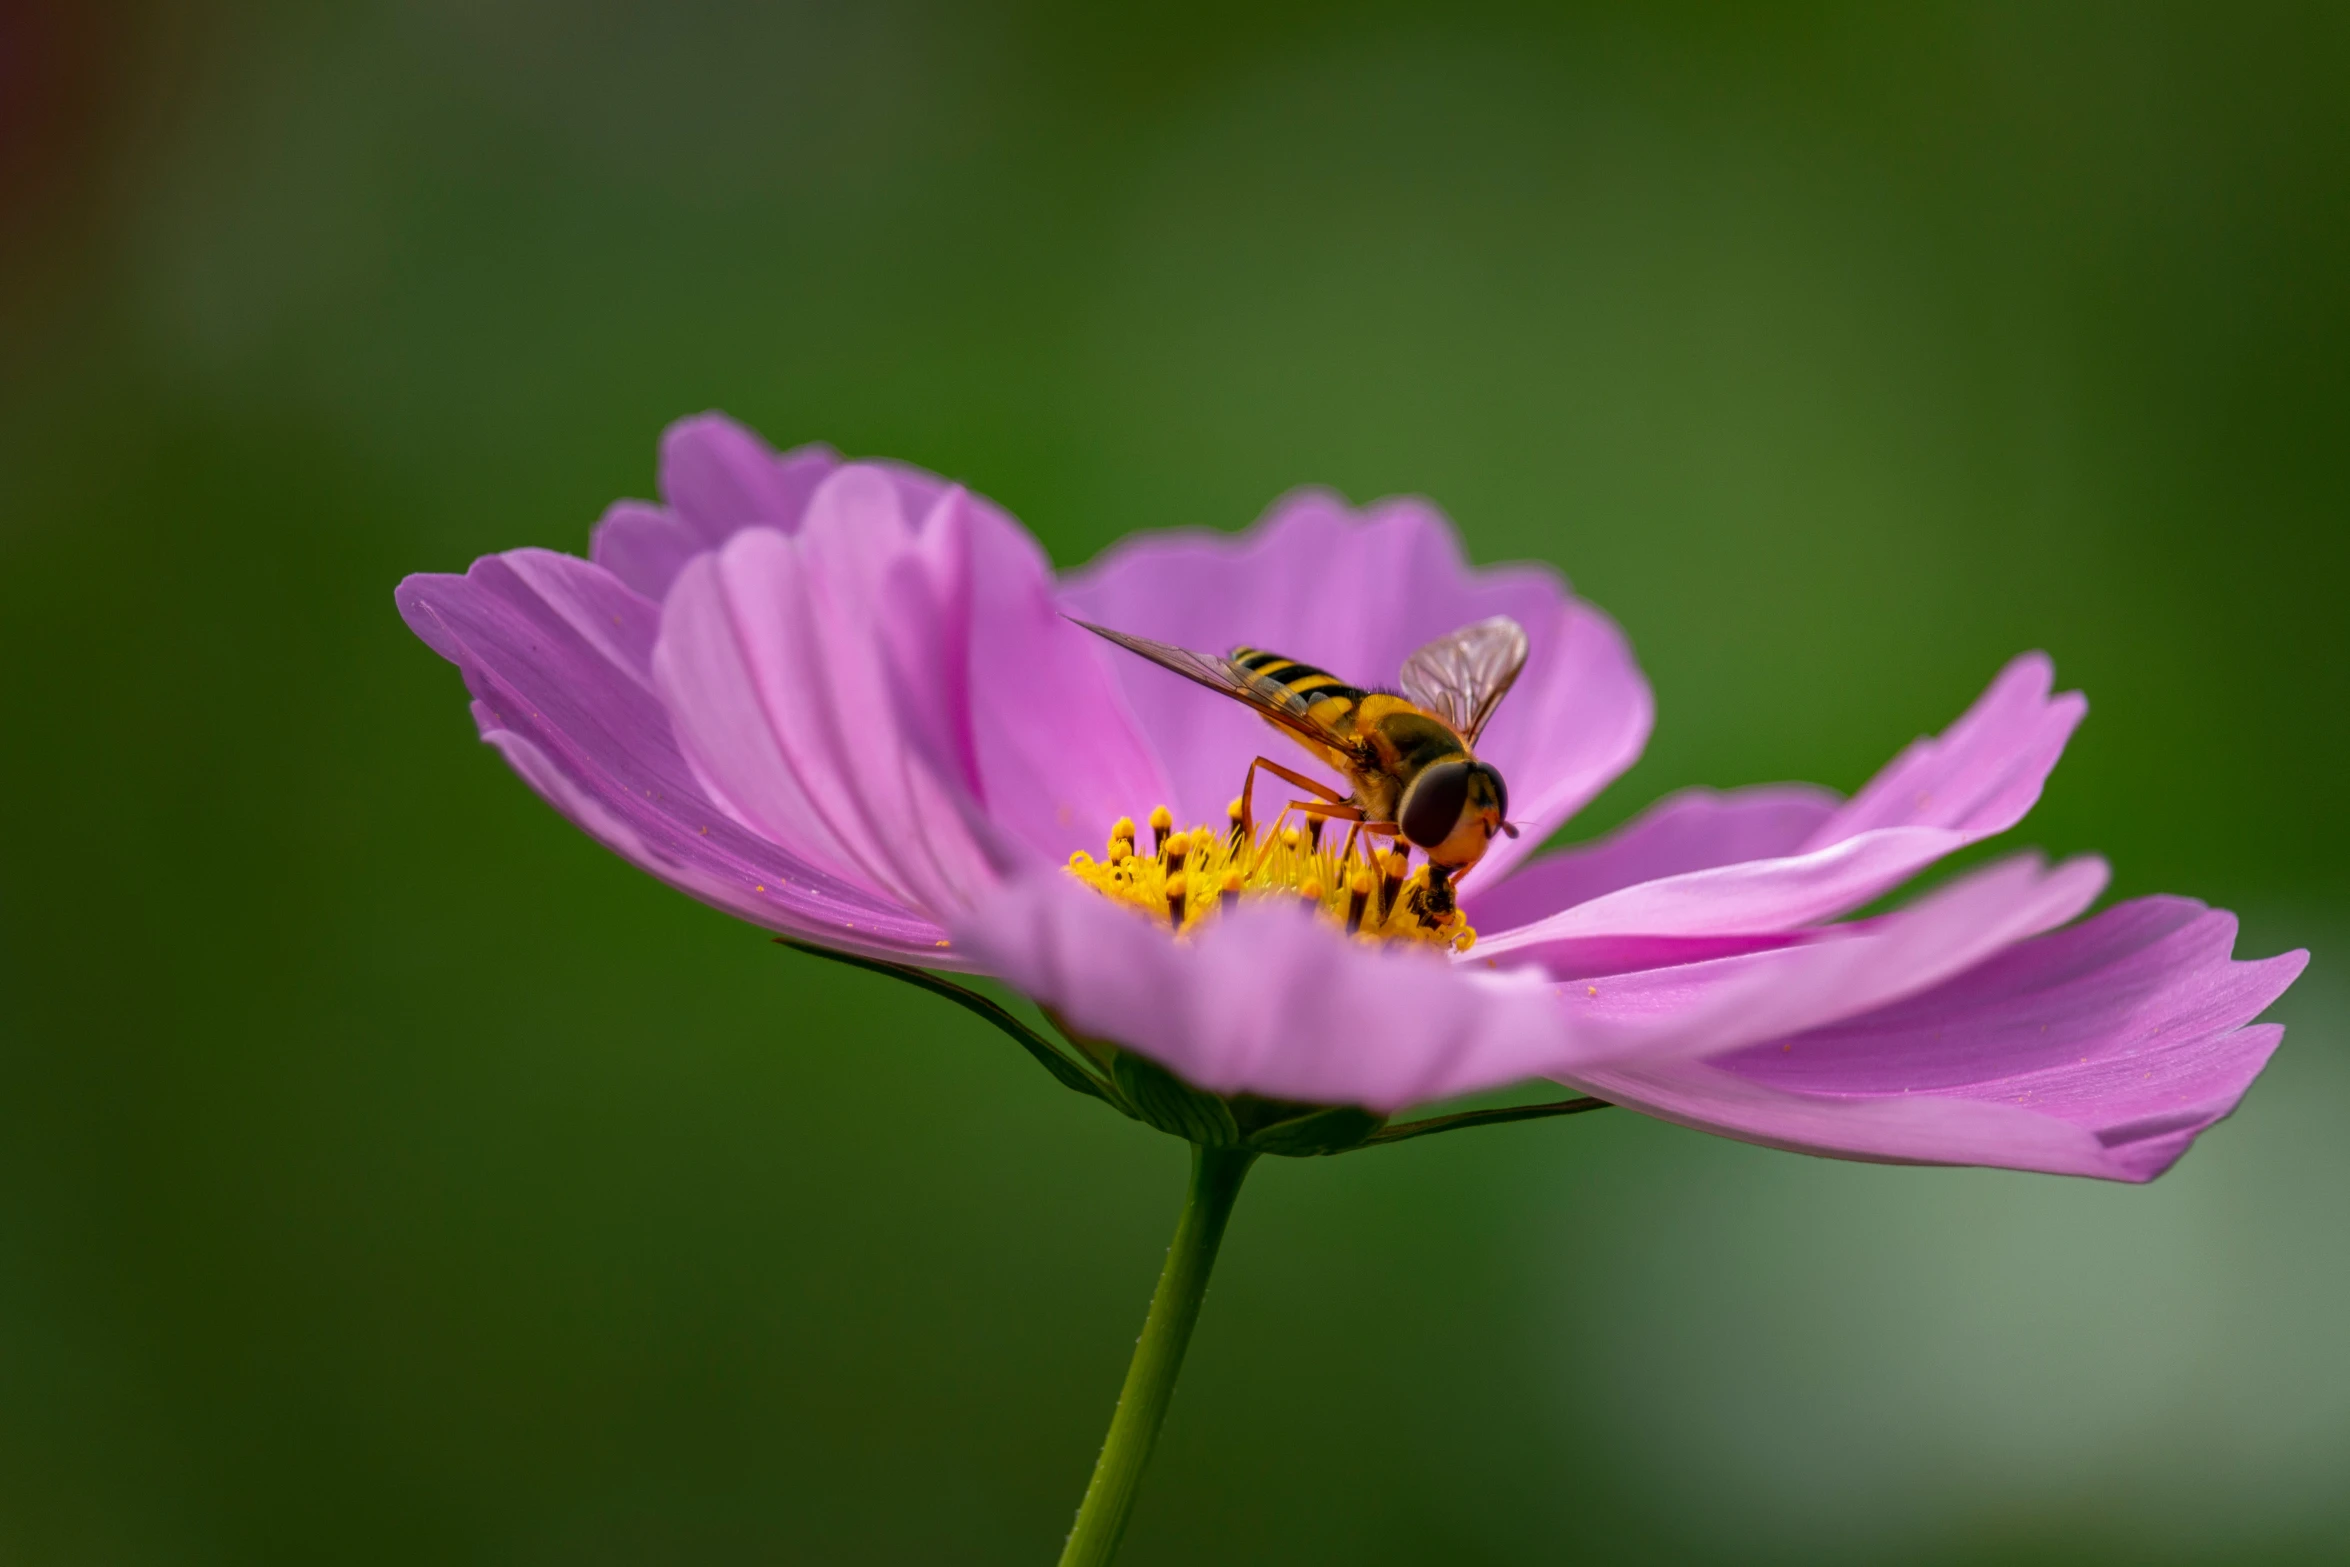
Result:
{"points": [[1192, 876]]}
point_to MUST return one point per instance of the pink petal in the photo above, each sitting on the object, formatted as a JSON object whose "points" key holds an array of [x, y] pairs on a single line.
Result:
{"points": [[2101, 1050], [773, 664], [1269, 1000], [1975, 780], [720, 478], [558, 655], [1718, 1004], [1355, 593], [1693, 830], [644, 545], [1979, 776], [1001, 694]]}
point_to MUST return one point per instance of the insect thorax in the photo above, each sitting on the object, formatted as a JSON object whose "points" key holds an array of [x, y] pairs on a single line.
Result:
{"points": [[1407, 739]]}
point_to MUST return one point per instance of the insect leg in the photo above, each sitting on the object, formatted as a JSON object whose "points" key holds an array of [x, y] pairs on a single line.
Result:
{"points": [[1318, 791], [1248, 788]]}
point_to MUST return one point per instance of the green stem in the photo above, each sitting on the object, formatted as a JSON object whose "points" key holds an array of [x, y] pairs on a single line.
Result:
{"points": [[1216, 1174]]}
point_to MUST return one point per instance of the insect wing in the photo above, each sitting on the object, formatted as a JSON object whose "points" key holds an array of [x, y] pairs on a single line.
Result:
{"points": [[1462, 676], [1269, 697]]}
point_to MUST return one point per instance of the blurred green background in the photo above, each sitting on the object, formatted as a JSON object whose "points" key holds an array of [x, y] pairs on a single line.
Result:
{"points": [[387, 1174]]}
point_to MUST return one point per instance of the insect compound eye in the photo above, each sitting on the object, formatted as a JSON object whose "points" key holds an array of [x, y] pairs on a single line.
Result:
{"points": [[1432, 806], [1501, 791]]}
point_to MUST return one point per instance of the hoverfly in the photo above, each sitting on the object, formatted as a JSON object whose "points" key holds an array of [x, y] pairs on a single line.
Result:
{"points": [[1409, 757]]}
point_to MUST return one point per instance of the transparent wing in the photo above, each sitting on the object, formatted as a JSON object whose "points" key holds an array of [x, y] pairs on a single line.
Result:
{"points": [[1462, 676], [1269, 697]]}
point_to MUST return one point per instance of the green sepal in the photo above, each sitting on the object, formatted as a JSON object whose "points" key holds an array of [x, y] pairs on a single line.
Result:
{"points": [[1330, 1131], [1502, 1115], [1167, 1102], [1097, 1052], [1065, 1071]]}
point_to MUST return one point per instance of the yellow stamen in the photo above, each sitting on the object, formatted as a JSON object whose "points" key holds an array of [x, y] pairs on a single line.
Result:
{"points": [[1359, 888], [1198, 874], [1398, 865]]}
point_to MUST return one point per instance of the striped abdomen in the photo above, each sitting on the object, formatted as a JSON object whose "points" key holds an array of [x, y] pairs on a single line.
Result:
{"points": [[1330, 699]]}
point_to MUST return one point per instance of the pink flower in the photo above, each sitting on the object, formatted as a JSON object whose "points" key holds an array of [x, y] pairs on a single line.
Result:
{"points": [[845, 702]]}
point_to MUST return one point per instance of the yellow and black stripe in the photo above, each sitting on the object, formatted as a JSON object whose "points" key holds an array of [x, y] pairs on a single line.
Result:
{"points": [[1317, 686]]}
